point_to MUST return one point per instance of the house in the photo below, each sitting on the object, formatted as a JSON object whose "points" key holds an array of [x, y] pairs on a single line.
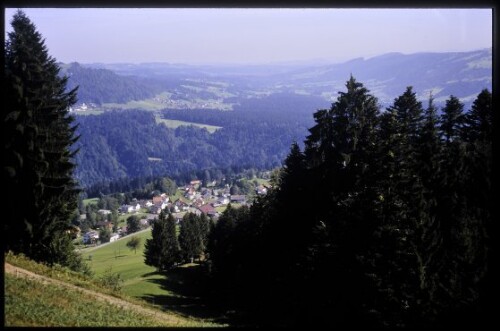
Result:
{"points": [[104, 212], [222, 201], [190, 193], [90, 237], [157, 199], [155, 209], [136, 206], [206, 194], [127, 209], [105, 225], [261, 190], [181, 204], [144, 222], [165, 197], [195, 182], [122, 230], [198, 202], [238, 198], [145, 203], [208, 210], [114, 237]]}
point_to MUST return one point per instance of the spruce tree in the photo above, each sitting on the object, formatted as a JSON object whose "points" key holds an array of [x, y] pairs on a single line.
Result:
{"points": [[191, 237], [38, 155], [480, 118], [339, 156], [153, 247], [452, 119], [162, 250]]}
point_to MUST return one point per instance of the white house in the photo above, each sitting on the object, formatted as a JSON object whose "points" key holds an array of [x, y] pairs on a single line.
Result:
{"points": [[114, 237], [130, 208], [222, 201], [104, 212]]}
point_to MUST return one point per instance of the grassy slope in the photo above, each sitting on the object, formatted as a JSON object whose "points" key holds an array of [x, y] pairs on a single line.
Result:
{"points": [[128, 264], [31, 303], [176, 291], [17, 305]]}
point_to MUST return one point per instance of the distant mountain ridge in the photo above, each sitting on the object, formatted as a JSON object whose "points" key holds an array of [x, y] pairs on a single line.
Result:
{"points": [[462, 74]]}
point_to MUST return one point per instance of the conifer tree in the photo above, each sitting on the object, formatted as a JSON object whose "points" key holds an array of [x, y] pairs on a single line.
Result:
{"points": [[191, 237], [162, 250], [480, 118], [339, 154], [38, 154], [153, 247], [452, 119]]}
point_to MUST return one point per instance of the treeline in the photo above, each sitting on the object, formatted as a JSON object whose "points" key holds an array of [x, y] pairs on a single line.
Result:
{"points": [[104, 86], [381, 220], [119, 144]]}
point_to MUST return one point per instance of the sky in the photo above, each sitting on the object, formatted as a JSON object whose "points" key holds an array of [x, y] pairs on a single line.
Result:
{"points": [[253, 36]]}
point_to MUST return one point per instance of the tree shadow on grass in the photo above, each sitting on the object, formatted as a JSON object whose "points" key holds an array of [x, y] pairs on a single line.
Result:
{"points": [[152, 273], [190, 294]]}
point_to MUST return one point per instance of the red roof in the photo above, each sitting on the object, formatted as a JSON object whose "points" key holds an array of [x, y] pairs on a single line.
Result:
{"points": [[207, 209]]}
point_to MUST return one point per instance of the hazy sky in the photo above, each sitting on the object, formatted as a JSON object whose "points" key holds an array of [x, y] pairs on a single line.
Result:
{"points": [[197, 36]]}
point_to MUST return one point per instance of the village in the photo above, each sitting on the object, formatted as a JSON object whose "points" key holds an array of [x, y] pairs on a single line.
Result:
{"points": [[191, 198]]}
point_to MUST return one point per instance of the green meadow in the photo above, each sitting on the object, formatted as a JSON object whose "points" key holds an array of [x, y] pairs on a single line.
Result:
{"points": [[178, 291], [118, 258], [173, 124]]}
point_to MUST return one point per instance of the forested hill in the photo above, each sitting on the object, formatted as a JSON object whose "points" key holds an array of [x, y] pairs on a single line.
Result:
{"points": [[101, 85], [118, 144]]}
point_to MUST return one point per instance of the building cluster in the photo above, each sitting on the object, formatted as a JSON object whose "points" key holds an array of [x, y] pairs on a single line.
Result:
{"points": [[195, 198]]}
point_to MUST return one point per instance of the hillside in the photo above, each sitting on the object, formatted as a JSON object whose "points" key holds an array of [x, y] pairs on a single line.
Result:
{"points": [[462, 74], [33, 299], [132, 144], [100, 85], [253, 113]]}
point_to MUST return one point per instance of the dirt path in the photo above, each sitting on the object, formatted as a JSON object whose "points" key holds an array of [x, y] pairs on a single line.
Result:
{"points": [[170, 319]]}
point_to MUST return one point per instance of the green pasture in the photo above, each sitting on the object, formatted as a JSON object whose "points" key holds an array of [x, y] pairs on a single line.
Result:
{"points": [[139, 278], [173, 124], [92, 201]]}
